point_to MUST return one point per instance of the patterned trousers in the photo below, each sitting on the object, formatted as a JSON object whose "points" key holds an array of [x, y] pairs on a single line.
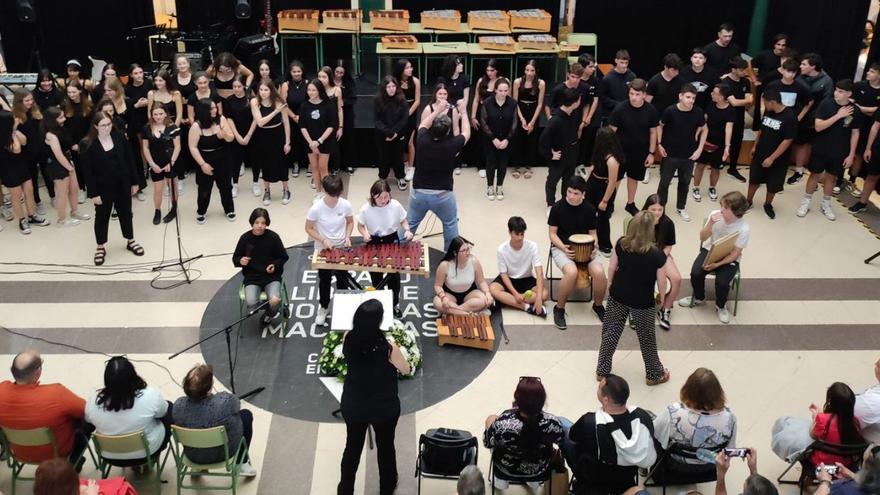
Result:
{"points": [[612, 328]]}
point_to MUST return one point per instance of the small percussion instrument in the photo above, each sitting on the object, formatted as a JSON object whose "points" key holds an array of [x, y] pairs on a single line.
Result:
{"points": [[343, 19], [400, 41], [298, 20], [537, 41], [391, 20], [409, 257], [500, 43], [444, 20], [582, 245], [533, 19], [489, 20], [466, 330]]}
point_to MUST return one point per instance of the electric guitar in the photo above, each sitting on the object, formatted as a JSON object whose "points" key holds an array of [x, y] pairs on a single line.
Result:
{"points": [[268, 24]]}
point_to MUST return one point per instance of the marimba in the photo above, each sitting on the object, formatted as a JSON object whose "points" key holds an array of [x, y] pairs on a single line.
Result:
{"points": [[444, 20], [466, 330], [391, 20], [537, 41], [343, 19], [409, 257], [298, 20], [500, 43], [400, 41], [489, 20], [532, 19]]}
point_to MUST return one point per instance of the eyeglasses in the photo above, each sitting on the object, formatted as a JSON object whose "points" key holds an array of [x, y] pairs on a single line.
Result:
{"points": [[108, 124], [530, 378]]}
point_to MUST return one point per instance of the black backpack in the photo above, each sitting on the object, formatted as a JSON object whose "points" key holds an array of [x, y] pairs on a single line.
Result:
{"points": [[445, 452]]}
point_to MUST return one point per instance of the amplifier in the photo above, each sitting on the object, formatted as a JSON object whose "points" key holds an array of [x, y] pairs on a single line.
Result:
{"points": [[162, 49], [251, 49]]}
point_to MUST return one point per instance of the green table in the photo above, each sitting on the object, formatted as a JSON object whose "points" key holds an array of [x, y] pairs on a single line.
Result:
{"points": [[381, 51], [283, 36]]}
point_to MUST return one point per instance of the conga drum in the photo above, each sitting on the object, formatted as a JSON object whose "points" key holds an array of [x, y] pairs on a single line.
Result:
{"points": [[582, 245]]}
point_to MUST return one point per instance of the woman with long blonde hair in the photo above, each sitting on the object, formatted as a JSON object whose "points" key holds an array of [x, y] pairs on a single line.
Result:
{"points": [[636, 265]]}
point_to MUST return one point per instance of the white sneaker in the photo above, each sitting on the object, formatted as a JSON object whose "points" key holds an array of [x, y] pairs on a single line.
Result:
{"points": [[241, 170], [827, 211], [41, 210], [410, 171], [321, 317], [687, 302], [483, 173], [141, 196], [68, 222], [695, 192], [312, 183], [490, 193], [256, 189], [245, 469], [713, 194], [723, 315], [80, 216], [684, 215], [81, 197], [647, 176], [235, 190], [457, 170], [181, 185], [804, 208], [499, 193]]}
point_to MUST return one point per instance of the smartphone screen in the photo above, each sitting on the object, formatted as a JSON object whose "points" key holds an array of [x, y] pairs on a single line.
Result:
{"points": [[736, 452]]}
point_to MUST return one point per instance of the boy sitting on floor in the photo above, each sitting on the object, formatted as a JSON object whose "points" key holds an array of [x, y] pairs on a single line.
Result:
{"points": [[520, 280]]}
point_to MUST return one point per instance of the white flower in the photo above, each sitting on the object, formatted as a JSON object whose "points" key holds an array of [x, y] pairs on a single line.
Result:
{"points": [[337, 351]]}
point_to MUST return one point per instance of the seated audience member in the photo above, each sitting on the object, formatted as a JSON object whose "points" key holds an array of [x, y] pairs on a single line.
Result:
{"points": [[56, 476], [26, 404], [864, 482], [126, 405], [525, 434], [202, 408], [261, 256], [727, 220], [470, 481], [459, 285], [867, 409], [700, 421], [606, 448], [835, 423], [755, 484], [520, 280]]}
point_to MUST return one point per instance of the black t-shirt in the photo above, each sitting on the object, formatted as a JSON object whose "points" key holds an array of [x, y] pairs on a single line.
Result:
{"points": [[239, 111], [435, 161], [317, 117], [46, 99], [795, 95], [739, 90], [664, 232], [833, 142], [867, 96], [635, 277], [665, 92], [193, 99], [263, 250], [634, 127], [614, 89], [134, 93], [775, 128], [680, 129], [570, 219], [718, 57], [455, 87], [590, 88], [716, 120], [704, 81], [766, 62], [558, 91]]}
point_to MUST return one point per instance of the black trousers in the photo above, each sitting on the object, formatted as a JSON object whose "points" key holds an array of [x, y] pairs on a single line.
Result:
{"points": [[385, 453], [558, 171], [118, 197], [723, 277], [685, 169], [221, 177], [238, 154], [324, 279], [736, 142], [595, 193], [392, 279], [390, 157], [37, 168], [496, 164], [588, 137], [184, 161]]}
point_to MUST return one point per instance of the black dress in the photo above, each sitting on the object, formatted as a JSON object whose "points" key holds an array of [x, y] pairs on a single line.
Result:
{"points": [[296, 95], [347, 146], [528, 143], [14, 169], [268, 147], [317, 118], [184, 161], [161, 150], [56, 170], [409, 95], [238, 111]]}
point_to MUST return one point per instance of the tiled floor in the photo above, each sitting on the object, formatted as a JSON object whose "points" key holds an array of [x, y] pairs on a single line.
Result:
{"points": [[808, 316]]}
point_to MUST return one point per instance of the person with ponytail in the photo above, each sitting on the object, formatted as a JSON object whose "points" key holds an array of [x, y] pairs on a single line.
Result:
{"points": [[525, 433], [835, 423]]}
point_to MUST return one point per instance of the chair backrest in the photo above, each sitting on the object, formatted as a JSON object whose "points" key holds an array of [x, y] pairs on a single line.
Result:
{"points": [[122, 444], [203, 438], [29, 438], [445, 452], [852, 451]]}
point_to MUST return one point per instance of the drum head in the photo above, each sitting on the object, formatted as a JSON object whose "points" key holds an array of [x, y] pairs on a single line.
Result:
{"points": [[581, 239]]}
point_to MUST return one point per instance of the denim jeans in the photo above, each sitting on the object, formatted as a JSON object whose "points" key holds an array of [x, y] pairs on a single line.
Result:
{"points": [[252, 296], [443, 205]]}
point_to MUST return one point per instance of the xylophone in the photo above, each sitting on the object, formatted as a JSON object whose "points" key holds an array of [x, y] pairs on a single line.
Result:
{"points": [[444, 20], [343, 19], [489, 20], [400, 41], [500, 43], [537, 41], [466, 330], [410, 257], [391, 20], [10, 78], [533, 19], [298, 20]]}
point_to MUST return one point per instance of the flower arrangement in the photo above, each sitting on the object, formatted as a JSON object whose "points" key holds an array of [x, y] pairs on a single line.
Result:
{"points": [[332, 362]]}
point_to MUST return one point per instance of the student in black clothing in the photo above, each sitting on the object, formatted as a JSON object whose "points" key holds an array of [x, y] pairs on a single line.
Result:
{"points": [[15, 174], [635, 122], [457, 82], [369, 396], [208, 136], [342, 78], [820, 86], [136, 93], [528, 92], [185, 82], [485, 88], [223, 71], [681, 136], [866, 96], [720, 116], [203, 90], [107, 73], [664, 86], [271, 140], [112, 179], [778, 128], [46, 94], [56, 145], [720, 51], [740, 98], [872, 165], [837, 122], [636, 265], [572, 81], [240, 115], [591, 117], [411, 88], [766, 62], [160, 146], [261, 256], [700, 76], [78, 110], [498, 123], [318, 129], [29, 116], [794, 94], [607, 162], [390, 113], [558, 145], [293, 92], [614, 86]]}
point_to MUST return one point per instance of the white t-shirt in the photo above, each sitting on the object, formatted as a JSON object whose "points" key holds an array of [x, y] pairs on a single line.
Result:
{"points": [[721, 229], [867, 410], [518, 263], [382, 220], [330, 222], [148, 407]]}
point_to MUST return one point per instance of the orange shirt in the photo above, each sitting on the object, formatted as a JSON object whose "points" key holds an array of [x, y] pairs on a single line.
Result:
{"points": [[25, 407]]}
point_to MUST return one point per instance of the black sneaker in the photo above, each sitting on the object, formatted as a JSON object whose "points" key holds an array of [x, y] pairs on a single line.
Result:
{"points": [[734, 174], [350, 170], [38, 221], [559, 318], [663, 319], [768, 209], [631, 208], [795, 178], [157, 217], [397, 312], [600, 311], [858, 207], [24, 227]]}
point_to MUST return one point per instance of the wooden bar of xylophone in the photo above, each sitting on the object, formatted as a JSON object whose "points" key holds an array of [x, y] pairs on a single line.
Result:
{"points": [[400, 41], [343, 19], [298, 20], [466, 330], [391, 20], [410, 257]]}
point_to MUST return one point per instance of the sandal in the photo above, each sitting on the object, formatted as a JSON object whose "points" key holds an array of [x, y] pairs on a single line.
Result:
{"points": [[515, 174], [100, 253], [528, 173], [658, 381], [135, 248]]}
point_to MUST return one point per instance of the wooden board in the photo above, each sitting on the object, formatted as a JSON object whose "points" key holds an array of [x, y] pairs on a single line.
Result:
{"points": [[534, 19], [298, 20], [343, 19], [400, 41], [489, 20], [500, 43], [467, 337], [721, 248], [390, 20], [442, 20], [537, 42]]}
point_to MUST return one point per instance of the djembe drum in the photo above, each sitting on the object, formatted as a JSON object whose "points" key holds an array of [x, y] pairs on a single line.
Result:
{"points": [[582, 245]]}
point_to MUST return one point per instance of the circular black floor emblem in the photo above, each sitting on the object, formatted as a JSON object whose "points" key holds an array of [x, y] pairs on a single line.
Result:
{"points": [[285, 360]]}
